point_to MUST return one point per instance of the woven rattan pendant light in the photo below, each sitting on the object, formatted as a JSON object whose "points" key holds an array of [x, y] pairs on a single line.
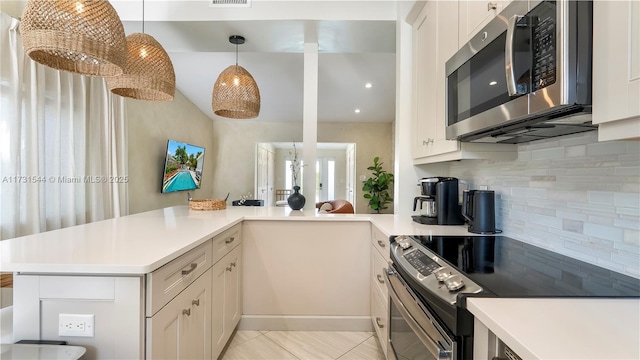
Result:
{"points": [[149, 73], [81, 36], [235, 93]]}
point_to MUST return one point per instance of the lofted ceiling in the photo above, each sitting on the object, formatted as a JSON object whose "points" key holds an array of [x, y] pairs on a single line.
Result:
{"points": [[353, 50]]}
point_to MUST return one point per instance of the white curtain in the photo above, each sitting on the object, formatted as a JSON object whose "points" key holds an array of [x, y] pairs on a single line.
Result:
{"points": [[62, 145]]}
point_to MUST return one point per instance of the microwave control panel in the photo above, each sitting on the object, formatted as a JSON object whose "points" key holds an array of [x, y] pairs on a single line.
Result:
{"points": [[544, 45]]}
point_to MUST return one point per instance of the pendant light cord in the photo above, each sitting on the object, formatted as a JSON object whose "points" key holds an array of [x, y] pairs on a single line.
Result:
{"points": [[143, 16], [236, 54]]}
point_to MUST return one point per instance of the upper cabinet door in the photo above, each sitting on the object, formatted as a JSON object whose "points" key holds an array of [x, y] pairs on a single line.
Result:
{"points": [[447, 36], [474, 15], [425, 67], [616, 69]]}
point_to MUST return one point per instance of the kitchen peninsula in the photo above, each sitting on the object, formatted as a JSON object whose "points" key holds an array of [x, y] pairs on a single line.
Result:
{"points": [[137, 274], [127, 271]]}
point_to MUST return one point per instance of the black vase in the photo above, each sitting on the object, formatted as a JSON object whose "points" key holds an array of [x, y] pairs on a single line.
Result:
{"points": [[296, 200]]}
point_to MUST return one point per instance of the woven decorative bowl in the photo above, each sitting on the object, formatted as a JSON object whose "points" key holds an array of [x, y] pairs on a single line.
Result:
{"points": [[207, 204]]}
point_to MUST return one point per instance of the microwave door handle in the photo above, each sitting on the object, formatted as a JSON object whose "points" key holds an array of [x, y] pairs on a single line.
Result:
{"points": [[509, 55]]}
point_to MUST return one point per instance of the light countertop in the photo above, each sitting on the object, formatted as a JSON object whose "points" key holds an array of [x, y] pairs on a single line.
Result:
{"points": [[563, 328], [141, 243]]}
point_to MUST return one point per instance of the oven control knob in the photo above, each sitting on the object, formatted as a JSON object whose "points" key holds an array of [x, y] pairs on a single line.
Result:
{"points": [[404, 242], [454, 282], [442, 273]]}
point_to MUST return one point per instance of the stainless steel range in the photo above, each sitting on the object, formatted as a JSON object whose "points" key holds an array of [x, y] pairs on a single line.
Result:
{"points": [[431, 277]]}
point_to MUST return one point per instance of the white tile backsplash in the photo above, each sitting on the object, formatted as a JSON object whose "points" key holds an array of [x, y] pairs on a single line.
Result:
{"points": [[572, 194]]}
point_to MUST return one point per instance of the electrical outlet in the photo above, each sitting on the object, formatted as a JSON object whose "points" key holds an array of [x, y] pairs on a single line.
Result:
{"points": [[483, 187], [76, 325]]}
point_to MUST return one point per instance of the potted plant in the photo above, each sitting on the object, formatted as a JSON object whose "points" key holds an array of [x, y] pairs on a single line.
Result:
{"points": [[377, 187]]}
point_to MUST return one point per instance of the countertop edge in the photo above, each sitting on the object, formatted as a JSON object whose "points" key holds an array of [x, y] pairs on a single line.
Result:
{"points": [[567, 328], [210, 224]]}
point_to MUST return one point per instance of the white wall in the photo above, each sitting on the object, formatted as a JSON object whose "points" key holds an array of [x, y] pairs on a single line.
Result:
{"points": [[570, 194], [151, 124], [234, 150], [12, 7]]}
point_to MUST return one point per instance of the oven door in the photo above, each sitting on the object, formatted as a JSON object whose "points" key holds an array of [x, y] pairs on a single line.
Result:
{"points": [[414, 333]]}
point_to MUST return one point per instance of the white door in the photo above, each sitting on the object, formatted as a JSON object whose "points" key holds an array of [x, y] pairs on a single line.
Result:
{"points": [[351, 175], [233, 288], [271, 165], [218, 334], [325, 179], [262, 176]]}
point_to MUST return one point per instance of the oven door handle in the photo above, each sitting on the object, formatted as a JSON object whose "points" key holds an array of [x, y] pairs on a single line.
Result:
{"points": [[428, 342]]}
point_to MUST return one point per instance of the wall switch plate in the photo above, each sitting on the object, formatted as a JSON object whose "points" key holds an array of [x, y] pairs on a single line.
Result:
{"points": [[76, 325]]}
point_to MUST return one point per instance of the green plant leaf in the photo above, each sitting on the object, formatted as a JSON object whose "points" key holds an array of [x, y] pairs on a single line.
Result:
{"points": [[377, 186]]}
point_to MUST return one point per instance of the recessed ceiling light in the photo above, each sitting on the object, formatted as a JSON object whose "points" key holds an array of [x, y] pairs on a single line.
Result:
{"points": [[357, 111], [493, 83], [368, 85]]}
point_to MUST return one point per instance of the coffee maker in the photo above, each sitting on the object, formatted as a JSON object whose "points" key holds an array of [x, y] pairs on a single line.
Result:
{"points": [[440, 195], [427, 201]]}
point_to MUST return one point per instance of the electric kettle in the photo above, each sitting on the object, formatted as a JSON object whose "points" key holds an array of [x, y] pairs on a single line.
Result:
{"points": [[479, 208]]}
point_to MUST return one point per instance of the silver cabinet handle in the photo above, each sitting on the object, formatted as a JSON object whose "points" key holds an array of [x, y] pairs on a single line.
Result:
{"points": [[380, 279], [193, 267], [492, 5], [379, 323], [186, 312], [229, 268], [233, 264], [195, 302], [230, 240], [381, 243]]}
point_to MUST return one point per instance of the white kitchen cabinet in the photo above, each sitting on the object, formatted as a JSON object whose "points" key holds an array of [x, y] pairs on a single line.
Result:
{"points": [[182, 328], [380, 318], [425, 72], [227, 303], [197, 312], [474, 15], [435, 40], [616, 69], [379, 294], [166, 282]]}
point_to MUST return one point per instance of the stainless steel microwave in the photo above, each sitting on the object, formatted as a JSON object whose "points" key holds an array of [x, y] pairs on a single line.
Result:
{"points": [[525, 76]]}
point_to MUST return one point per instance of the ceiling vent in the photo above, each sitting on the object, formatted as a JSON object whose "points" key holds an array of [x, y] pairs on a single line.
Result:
{"points": [[230, 3]]}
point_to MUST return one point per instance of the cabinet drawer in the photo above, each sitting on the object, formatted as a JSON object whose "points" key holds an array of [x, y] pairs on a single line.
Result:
{"points": [[226, 241], [380, 318], [380, 242], [182, 328], [168, 281], [379, 267]]}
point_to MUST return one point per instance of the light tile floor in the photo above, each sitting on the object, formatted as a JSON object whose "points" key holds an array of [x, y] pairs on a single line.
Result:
{"points": [[303, 345]]}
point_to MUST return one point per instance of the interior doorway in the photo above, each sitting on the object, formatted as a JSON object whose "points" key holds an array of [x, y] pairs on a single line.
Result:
{"points": [[334, 172]]}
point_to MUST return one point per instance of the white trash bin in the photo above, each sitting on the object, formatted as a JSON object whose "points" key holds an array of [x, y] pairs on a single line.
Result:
{"points": [[38, 351]]}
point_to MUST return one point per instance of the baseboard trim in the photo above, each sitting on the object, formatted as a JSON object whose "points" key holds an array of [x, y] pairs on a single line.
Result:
{"points": [[305, 323]]}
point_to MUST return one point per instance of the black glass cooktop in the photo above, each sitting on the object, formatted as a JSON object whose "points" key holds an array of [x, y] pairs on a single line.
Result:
{"points": [[506, 267]]}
